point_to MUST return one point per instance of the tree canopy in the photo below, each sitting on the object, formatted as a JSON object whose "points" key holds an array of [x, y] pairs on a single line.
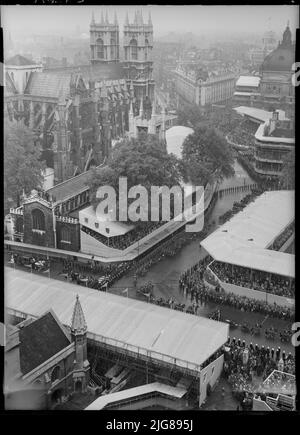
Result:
{"points": [[205, 154], [144, 161], [22, 164]]}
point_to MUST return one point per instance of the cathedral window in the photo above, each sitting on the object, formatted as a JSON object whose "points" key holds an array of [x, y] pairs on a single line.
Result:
{"points": [[65, 235], [112, 48], [134, 52], [38, 220], [100, 49]]}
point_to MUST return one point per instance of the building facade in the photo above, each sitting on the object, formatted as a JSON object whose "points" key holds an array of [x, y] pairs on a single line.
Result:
{"points": [[274, 140], [76, 112], [202, 88], [47, 360]]}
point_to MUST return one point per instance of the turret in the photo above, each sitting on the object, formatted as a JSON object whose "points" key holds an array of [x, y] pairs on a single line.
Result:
{"points": [[78, 333]]}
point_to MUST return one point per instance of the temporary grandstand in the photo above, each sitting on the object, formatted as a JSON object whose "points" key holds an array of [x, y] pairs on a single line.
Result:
{"points": [[141, 397], [144, 332], [258, 115], [244, 240]]}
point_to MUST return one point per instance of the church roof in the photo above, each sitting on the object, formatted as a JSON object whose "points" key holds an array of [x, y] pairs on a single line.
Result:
{"points": [[112, 71], [78, 323], [19, 60], [71, 187], [40, 340], [48, 85]]}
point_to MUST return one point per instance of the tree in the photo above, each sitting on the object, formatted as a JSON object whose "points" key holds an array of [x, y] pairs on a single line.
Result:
{"points": [[288, 171], [22, 165], [205, 156], [189, 115], [143, 161]]}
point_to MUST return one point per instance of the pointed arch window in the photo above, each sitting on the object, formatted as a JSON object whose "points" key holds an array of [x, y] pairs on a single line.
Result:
{"points": [[112, 48], [134, 51], [38, 220], [100, 48]]}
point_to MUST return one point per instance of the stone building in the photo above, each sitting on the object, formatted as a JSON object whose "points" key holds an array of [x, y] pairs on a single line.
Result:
{"points": [[76, 112], [276, 86], [45, 361]]}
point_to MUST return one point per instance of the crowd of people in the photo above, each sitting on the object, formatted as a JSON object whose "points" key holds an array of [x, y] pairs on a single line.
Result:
{"points": [[243, 134], [94, 274], [240, 370], [126, 240], [254, 279], [283, 237], [191, 283], [238, 206]]}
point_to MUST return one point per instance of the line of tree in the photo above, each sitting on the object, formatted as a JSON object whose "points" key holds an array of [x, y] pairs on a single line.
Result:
{"points": [[22, 163]]}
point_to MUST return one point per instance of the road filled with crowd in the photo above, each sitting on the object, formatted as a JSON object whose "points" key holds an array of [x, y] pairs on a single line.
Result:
{"points": [[283, 237], [192, 283], [242, 365]]}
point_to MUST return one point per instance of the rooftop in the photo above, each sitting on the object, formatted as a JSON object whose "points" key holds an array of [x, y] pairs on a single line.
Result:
{"points": [[91, 72], [71, 187], [175, 136], [48, 85], [39, 341], [259, 114], [155, 387], [248, 81], [105, 227], [19, 60], [244, 238], [153, 331]]}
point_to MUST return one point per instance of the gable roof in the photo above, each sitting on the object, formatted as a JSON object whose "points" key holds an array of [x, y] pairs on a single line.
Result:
{"points": [[40, 340], [19, 60], [71, 187], [92, 72], [49, 85]]}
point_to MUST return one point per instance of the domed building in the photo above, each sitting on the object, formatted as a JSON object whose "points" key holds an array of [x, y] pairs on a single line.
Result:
{"points": [[276, 71]]}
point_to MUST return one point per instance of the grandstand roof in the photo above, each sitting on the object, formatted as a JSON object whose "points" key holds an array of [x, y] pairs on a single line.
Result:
{"points": [[258, 114], [167, 335], [175, 137], [244, 238], [88, 217], [155, 387], [252, 81]]}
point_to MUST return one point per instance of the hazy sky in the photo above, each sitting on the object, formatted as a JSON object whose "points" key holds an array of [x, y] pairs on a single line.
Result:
{"points": [[62, 20]]}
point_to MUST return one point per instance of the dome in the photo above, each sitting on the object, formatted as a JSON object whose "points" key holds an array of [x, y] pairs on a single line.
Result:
{"points": [[281, 59]]}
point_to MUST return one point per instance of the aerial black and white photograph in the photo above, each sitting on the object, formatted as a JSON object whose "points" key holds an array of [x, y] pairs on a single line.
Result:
{"points": [[149, 209]]}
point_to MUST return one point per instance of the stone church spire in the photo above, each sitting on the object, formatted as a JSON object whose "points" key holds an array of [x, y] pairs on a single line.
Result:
{"points": [[78, 324]]}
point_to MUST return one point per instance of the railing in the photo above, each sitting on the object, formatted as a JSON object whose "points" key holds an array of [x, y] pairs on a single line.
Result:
{"points": [[16, 211], [67, 220], [143, 353]]}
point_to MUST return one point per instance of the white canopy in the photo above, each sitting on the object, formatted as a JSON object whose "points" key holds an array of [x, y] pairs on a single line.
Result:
{"points": [[252, 81], [182, 339], [259, 114], [175, 137], [244, 238]]}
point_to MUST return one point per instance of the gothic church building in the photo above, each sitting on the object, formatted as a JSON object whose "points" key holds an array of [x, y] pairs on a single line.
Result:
{"points": [[77, 112]]}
